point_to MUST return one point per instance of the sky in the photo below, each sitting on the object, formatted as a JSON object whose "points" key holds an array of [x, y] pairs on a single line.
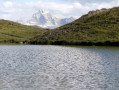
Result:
{"points": [[24, 9]]}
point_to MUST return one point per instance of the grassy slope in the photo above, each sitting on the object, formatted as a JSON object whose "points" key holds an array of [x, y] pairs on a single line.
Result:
{"points": [[14, 32], [100, 27]]}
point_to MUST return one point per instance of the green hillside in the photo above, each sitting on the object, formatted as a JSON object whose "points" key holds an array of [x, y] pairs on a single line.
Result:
{"points": [[100, 27], [11, 32]]}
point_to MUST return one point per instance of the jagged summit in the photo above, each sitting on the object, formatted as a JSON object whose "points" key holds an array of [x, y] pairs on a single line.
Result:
{"points": [[43, 11], [44, 19]]}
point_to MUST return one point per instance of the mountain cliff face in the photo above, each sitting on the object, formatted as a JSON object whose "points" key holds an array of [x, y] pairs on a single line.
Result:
{"points": [[44, 19]]}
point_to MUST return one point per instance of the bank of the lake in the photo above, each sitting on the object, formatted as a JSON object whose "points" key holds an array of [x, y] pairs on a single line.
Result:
{"points": [[80, 43], [63, 42]]}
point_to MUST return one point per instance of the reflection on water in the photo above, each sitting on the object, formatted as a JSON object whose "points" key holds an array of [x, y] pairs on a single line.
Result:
{"points": [[58, 68]]}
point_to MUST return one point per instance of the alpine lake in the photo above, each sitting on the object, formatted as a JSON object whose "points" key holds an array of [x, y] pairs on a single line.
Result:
{"points": [[50, 67]]}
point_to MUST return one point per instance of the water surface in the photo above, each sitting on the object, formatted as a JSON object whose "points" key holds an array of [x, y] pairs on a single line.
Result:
{"points": [[58, 68]]}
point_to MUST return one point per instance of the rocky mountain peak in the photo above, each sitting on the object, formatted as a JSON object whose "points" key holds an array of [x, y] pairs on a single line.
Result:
{"points": [[44, 19], [43, 11]]}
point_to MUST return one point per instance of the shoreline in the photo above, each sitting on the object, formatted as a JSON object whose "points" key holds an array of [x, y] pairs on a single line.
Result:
{"points": [[82, 45]]}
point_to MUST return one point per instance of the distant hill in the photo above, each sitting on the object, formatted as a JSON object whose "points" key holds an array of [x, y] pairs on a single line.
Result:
{"points": [[100, 27], [11, 32]]}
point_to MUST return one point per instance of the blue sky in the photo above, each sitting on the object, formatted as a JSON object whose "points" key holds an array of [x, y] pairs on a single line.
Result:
{"points": [[24, 9]]}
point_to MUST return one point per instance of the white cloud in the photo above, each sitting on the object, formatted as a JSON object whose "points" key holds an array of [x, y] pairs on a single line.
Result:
{"points": [[8, 4], [7, 16], [24, 10]]}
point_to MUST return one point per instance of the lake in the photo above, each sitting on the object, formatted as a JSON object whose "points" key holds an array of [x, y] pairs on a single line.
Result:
{"points": [[47, 67]]}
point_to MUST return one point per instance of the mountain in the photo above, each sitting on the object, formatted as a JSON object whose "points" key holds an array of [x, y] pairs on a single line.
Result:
{"points": [[12, 32], [44, 19], [100, 27], [66, 20]]}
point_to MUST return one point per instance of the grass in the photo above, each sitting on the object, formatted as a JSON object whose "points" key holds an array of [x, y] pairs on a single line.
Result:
{"points": [[13, 32]]}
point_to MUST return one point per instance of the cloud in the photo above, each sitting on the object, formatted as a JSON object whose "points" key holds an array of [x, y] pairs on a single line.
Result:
{"points": [[8, 4], [14, 10]]}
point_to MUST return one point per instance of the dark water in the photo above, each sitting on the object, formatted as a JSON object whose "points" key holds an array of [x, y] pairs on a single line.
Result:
{"points": [[58, 68]]}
